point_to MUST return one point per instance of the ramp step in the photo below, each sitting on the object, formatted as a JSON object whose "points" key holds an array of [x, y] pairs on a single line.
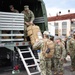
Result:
{"points": [[35, 73], [35, 64], [32, 65], [25, 51], [28, 58]]}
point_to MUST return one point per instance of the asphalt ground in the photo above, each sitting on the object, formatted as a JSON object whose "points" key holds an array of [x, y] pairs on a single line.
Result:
{"points": [[67, 71]]}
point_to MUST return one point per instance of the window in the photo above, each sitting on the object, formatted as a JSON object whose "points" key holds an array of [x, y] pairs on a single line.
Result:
{"points": [[73, 25], [49, 23], [64, 28], [56, 28]]}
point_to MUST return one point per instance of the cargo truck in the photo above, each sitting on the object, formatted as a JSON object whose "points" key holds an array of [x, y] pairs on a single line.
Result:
{"points": [[11, 22]]}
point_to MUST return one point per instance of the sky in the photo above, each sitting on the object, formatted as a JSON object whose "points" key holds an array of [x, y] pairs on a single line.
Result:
{"points": [[54, 6]]}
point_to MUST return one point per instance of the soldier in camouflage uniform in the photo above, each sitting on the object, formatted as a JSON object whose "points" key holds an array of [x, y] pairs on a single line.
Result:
{"points": [[59, 55], [71, 51], [28, 18], [28, 15], [45, 63], [12, 9]]}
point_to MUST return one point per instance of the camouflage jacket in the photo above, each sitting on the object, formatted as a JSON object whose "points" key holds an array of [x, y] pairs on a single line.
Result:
{"points": [[43, 48], [71, 46], [59, 51], [15, 11], [28, 16]]}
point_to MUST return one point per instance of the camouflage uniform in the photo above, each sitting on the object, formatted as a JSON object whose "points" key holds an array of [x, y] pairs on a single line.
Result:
{"points": [[45, 63], [15, 11], [58, 55], [71, 50], [27, 18]]}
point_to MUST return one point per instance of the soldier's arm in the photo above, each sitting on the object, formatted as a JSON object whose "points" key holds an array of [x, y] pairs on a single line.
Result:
{"points": [[17, 11], [68, 46], [63, 51], [38, 45], [32, 17], [22, 12]]}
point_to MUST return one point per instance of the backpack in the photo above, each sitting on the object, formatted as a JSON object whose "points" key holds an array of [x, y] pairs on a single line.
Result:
{"points": [[48, 49]]}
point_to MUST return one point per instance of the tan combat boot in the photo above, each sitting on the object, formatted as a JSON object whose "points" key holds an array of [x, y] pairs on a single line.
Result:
{"points": [[72, 69], [55, 73], [60, 73]]}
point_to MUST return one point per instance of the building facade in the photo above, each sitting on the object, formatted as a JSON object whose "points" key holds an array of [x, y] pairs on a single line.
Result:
{"points": [[64, 24]]}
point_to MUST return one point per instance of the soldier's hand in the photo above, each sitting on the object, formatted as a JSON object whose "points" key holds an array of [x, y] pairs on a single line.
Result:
{"points": [[37, 40], [27, 23], [31, 22]]}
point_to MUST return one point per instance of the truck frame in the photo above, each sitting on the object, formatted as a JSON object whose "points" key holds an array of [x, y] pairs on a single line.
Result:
{"points": [[13, 23]]}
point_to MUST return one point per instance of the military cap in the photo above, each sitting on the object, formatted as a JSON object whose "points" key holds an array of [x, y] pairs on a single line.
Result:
{"points": [[26, 6], [57, 38], [46, 32]]}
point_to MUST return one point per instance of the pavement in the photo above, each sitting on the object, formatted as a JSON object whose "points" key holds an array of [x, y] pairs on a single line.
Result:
{"points": [[67, 71]]}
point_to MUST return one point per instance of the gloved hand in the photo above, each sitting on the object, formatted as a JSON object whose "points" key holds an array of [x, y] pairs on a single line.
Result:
{"points": [[27, 23]]}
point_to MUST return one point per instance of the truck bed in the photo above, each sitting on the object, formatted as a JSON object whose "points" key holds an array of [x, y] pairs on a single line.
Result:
{"points": [[11, 27]]}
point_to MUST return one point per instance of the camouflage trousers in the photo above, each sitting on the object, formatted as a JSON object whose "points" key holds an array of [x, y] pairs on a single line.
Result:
{"points": [[73, 61], [45, 66], [52, 65], [58, 65]]}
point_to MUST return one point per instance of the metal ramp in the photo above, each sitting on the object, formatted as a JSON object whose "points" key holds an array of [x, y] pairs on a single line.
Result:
{"points": [[24, 59]]}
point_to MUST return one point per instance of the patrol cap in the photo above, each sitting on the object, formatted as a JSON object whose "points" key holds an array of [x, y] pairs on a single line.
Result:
{"points": [[57, 38], [26, 6], [46, 33]]}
